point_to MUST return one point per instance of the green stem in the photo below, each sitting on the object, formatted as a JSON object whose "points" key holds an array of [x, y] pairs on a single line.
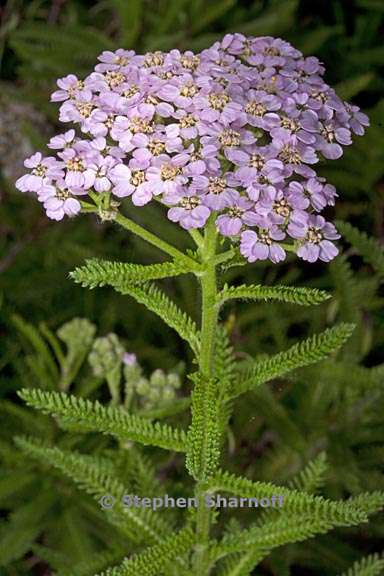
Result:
{"points": [[197, 237], [147, 236], [154, 240], [209, 319], [209, 290]]}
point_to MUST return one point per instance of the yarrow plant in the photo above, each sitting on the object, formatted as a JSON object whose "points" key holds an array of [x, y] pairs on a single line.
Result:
{"points": [[227, 140]]}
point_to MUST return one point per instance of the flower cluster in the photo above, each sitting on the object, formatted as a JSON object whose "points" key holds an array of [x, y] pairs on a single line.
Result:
{"points": [[234, 131]]}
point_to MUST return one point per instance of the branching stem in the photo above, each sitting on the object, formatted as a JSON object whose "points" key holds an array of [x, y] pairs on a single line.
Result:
{"points": [[147, 236], [154, 240]]}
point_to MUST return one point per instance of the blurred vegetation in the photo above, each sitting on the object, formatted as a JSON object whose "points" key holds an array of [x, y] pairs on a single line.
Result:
{"points": [[336, 406]]}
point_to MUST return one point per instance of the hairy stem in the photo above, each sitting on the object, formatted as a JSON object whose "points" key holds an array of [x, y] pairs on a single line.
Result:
{"points": [[208, 330]]}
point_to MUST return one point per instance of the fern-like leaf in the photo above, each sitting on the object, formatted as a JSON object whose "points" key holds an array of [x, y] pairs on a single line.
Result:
{"points": [[96, 272], [204, 433], [302, 354], [339, 513], [303, 296], [240, 564], [272, 534], [92, 475], [368, 247], [95, 563], [152, 561], [313, 476], [160, 304], [93, 416], [372, 565], [44, 358]]}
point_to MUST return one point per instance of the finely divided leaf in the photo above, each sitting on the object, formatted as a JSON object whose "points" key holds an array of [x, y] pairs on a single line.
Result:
{"points": [[368, 247], [132, 279], [93, 476], [93, 416], [339, 513], [152, 561], [303, 296], [302, 354], [160, 304], [313, 476], [372, 565], [204, 432], [272, 534], [98, 272]]}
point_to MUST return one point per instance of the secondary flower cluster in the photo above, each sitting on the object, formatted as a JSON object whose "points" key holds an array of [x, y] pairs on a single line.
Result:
{"points": [[234, 131]]}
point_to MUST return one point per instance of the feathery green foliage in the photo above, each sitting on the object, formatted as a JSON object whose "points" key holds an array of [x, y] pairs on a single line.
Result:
{"points": [[302, 354], [300, 503], [372, 565], [312, 478], [239, 564], [96, 272], [272, 534], [73, 48], [157, 302], [152, 561], [368, 247], [303, 296], [44, 366], [93, 416], [99, 562], [92, 475], [203, 447]]}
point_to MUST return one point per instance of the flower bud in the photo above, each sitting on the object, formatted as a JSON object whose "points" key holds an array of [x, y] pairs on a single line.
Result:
{"points": [[106, 355], [77, 333]]}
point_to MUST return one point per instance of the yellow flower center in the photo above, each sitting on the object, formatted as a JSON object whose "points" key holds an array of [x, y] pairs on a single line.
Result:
{"points": [[75, 164], [169, 172], [265, 238], [187, 121], [290, 124], [281, 207], [255, 108], [84, 108], [190, 203], [154, 59], [79, 85], [216, 185], [256, 161], [156, 147], [235, 212], [289, 155], [137, 177], [190, 62], [218, 101], [189, 90], [314, 235], [139, 125], [229, 138], [114, 78], [39, 170], [131, 91]]}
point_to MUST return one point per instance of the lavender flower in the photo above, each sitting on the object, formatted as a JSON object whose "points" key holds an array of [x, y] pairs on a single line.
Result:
{"points": [[189, 211], [43, 170], [58, 202], [236, 131], [261, 246]]}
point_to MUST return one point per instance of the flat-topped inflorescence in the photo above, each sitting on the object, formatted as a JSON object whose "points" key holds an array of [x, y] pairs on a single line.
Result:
{"points": [[235, 131]]}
